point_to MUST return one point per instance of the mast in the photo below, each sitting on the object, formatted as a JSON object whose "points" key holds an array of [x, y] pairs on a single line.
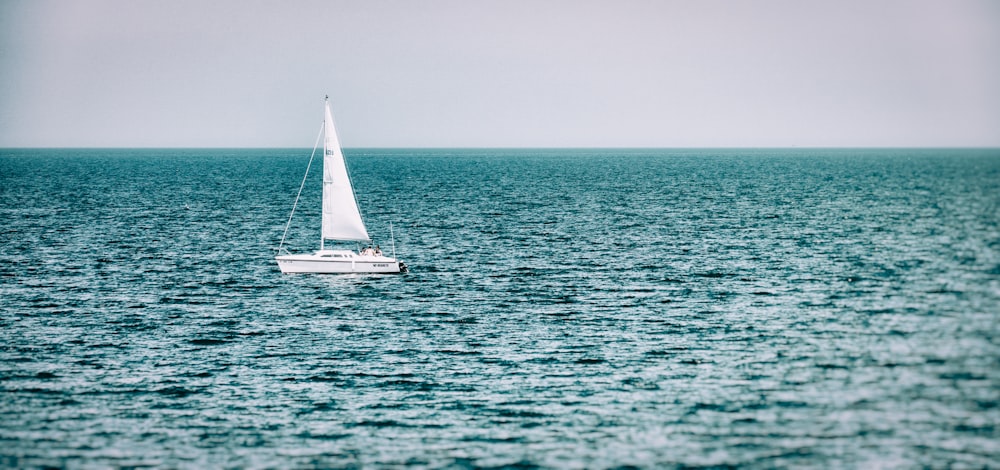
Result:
{"points": [[322, 239]]}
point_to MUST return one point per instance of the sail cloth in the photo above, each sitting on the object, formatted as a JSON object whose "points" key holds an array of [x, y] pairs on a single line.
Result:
{"points": [[341, 216]]}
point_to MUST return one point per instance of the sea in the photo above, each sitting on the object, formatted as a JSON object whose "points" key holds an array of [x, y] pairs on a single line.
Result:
{"points": [[564, 308]]}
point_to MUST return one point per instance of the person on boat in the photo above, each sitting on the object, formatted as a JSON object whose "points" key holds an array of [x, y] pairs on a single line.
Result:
{"points": [[367, 251], [378, 251]]}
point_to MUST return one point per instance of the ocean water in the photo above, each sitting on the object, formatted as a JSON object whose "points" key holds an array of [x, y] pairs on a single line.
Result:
{"points": [[565, 309]]}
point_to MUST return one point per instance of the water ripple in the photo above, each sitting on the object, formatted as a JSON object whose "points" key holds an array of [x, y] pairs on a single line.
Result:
{"points": [[567, 308]]}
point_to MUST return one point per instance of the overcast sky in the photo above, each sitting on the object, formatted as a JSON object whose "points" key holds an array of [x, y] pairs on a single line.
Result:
{"points": [[504, 73]]}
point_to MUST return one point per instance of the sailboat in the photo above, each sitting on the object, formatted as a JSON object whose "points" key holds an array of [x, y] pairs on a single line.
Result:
{"points": [[341, 221]]}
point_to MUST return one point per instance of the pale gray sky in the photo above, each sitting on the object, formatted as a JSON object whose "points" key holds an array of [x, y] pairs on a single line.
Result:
{"points": [[507, 73]]}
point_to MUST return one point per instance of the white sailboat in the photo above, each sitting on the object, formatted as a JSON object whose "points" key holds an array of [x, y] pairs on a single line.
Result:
{"points": [[341, 221]]}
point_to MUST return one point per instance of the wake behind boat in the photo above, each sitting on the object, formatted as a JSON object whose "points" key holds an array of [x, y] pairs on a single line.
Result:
{"points": [[341, 221]]}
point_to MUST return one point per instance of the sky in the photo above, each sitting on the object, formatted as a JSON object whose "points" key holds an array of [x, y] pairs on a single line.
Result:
{"points": [[501, 73]]}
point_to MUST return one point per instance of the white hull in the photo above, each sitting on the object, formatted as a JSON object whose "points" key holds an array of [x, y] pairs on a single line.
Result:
{"points": [[337, 262]]}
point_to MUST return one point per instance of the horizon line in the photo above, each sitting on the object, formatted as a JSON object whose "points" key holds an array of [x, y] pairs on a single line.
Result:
{"points": [[767, 147]]}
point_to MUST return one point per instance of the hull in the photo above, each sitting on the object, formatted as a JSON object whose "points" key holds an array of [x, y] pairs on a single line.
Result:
{"points": [[337, 262]]}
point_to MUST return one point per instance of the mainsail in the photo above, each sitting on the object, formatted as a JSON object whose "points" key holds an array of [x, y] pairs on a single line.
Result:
{"points": [[341, 216]]}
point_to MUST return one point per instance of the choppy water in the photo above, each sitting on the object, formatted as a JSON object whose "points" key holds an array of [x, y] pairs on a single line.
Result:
{"points": [[566, 308]]}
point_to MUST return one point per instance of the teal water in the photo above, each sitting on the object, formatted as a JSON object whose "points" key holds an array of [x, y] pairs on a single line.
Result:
{"points": [[565, 308]]}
